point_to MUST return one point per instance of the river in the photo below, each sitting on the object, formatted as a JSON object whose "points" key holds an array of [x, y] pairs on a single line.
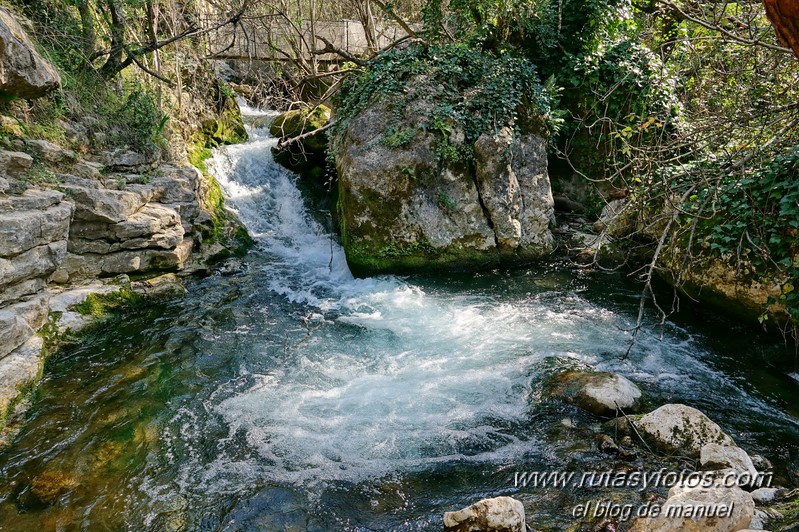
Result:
{"points": [[282, 393]]}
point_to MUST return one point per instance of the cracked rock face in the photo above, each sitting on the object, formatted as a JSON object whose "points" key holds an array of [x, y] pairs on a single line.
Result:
{"points": [[23, 72], [34, 228], [404, 209]]}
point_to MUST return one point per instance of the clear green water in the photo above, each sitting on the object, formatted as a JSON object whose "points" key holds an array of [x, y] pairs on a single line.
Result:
{"points": [[286, 395]]}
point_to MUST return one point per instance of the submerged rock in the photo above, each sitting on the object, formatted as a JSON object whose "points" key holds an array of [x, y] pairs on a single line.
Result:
{"points": [[603, 394], [680, 428], [500, 514], [162, 286]]}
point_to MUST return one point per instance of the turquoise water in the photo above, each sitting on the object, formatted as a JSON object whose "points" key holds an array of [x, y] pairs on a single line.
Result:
{"points": [[284, 394]]}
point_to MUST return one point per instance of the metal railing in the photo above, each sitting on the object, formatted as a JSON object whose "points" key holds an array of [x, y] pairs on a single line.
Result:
{"points": [[278, 40]]}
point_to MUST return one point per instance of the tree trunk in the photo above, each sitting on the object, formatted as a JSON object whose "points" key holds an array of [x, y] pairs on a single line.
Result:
{"points": [[784, 16], [114, 63], [88, 34]]}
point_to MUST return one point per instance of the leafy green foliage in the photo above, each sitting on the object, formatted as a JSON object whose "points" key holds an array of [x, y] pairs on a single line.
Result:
{"points": [[444, 201], [621, 98], [547, 30], [142, 119], [756, 217], [469, 91]]}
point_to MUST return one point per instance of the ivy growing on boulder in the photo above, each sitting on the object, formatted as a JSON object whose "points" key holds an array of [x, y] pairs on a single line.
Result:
{"points": [[470, 91]]}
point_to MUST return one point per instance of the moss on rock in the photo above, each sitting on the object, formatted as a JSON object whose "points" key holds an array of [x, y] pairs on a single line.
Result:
{"points": [[308, 156], [303, 121], [101, 306]]}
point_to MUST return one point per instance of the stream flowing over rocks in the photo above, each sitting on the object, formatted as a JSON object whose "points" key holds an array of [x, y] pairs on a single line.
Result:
{"points": [[281, 391]]}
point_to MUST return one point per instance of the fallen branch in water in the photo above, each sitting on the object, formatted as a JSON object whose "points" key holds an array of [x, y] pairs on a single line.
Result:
{"points": [[299, 138]]}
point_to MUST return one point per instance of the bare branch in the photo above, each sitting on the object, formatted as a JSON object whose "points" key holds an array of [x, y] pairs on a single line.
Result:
{"points": [[330, 48], [669, 4]]}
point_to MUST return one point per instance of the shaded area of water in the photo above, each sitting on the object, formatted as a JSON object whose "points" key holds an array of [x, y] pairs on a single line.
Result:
{"points": [[289, 394]]}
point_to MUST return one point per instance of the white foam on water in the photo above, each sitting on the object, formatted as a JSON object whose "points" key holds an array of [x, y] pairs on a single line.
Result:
{"points": [[395, 378]]}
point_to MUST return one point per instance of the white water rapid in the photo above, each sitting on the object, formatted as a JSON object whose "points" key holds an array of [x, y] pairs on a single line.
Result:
{"points": [[395, 376]]}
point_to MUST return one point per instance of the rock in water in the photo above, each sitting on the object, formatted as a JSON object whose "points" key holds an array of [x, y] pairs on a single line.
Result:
{"points": [[402, 207], [715, 456], [308, 156], [23, 72], [699, 510], [501, 514], [303, 121], [603, 394], [676, 427]]}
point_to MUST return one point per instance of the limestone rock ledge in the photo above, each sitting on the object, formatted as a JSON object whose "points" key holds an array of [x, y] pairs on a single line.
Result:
{"points": [[59, 245]]}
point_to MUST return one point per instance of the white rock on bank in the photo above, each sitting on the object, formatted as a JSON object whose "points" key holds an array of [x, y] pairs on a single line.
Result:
{"points": [[732, 510], [715, 456], [681, 428], [503, 514]]}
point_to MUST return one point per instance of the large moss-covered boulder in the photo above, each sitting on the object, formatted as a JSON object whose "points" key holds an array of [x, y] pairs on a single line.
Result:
{"points": [[226, 125], [442, 164], [405, 208]]}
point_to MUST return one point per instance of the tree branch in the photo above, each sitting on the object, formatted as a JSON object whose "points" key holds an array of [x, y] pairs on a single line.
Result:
{"points": [[330, 48], [714, 27], [393, 14]]}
